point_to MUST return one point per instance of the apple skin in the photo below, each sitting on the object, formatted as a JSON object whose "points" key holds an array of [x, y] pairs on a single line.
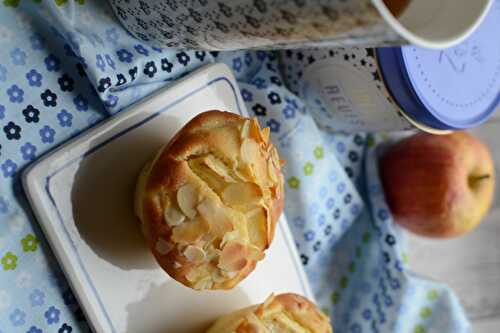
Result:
{"points": [[438, 186]]}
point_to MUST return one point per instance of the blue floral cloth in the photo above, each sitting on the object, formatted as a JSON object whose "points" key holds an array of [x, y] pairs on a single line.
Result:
{"points": [[66, 65]]}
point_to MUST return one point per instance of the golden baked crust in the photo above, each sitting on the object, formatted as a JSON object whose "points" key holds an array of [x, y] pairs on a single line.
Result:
{"points": [[285, 313], [210, 200]]}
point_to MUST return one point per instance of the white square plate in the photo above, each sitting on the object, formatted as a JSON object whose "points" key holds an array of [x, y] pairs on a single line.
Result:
{"points": [[82, 195]]}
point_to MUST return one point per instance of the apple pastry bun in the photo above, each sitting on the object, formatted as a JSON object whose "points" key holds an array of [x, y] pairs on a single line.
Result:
{"points": [[210, 200], [284, 313]]}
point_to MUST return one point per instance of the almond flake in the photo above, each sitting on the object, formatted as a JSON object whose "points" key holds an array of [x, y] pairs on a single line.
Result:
{"points": [[218, 167], [173, 216], [233, 257], [216, 216], [245, 129], [187, 198], [249, 151], [242, 195], [194, 254], [163, 247]]}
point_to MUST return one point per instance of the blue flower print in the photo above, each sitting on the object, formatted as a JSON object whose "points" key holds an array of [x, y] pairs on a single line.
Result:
{"points": [[112, 36], [355, 209], [52, 315], [341, 188], [65, 328], [34, 329], [120, 79], [36, 41], [247, 95], [31, 114], [16, 94], [183, 58], [52, 63], [28, 151], [289, 112], [273, 125], [383, 214], [166, 65], [340, 147], [104, 84], [248, 58], [309, 235], [367, 314], [110, 61], [100, 62], [259, 109], [299, 222], [48, 98], [200, 55], [259, 82], [141, 49], [150, 69], [237, 64], [124, 55], [355, 328], [81, 103], [47, 134], [65, 118], [34, 78], [3, 206], [3, 73], [330, 203], [111, 101], [321, 220], [17, 317], [18, 56], [274, 98], [261, 55], [37, 297], [2, 111], [66, 82], [12, 131], [157, 49]]}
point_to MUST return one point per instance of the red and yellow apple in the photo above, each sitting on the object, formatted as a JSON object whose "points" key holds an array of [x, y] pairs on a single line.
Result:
{"points": [[438, 185]]}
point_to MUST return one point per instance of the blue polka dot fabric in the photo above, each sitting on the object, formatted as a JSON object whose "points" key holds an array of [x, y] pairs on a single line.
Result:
{"points": [[66, 65]]}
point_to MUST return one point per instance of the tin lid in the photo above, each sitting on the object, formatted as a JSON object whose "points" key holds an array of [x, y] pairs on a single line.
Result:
{"points": [[453, 89]]}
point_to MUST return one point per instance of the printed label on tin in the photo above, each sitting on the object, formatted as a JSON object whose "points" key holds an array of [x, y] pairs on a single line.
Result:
{"points": [[344, 97]]}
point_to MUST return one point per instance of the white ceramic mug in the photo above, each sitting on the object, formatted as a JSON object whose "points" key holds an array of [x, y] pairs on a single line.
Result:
{"points": [[238, 24]]}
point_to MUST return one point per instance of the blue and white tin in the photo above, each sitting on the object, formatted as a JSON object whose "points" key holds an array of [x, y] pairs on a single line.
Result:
{"points": [[398, 88]]}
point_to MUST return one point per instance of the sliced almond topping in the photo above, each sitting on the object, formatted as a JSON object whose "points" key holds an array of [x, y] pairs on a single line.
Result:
{"points": [[265, 135], [257, 228], [254, 253], [195, 254], [249, 151], [231, 275], [173, 216], [187, 198], [217, 277], [255, 132], [219, 168], [203, 284], [233, 257], [245, 129], [271, 171], [163, 247], [190, 232], [242, 195], [216, 216], [177, 265], [194, 274]]}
